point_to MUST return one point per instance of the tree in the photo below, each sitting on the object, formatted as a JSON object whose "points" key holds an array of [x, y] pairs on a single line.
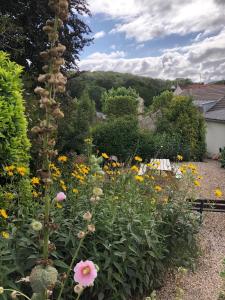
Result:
{"points": [[80, 115], [21, 32], [14, 144]]}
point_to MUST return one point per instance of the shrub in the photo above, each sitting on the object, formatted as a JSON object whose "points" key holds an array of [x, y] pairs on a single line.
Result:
{"points": [[117, 137], [76, 127], [146, 145], [222, 158], [14, 144], [179, 116], [120, 102]]}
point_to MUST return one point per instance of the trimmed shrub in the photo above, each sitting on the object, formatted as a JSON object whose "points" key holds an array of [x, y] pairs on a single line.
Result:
{"points": [[117, 137], [120, 102], [146, 145], [14, 144]]}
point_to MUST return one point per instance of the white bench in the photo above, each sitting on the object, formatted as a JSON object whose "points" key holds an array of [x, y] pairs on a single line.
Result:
{"points": [[157, 164]]}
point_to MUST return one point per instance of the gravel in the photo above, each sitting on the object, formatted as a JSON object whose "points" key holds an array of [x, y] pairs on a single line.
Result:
{"points": [[205, 283]]}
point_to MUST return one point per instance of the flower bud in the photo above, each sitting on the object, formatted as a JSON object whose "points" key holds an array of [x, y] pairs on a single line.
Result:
{"points": [[14, 295], [87, 216], [36, 225], [97, 191], [91, 228], [81, 235], [78, 289]]}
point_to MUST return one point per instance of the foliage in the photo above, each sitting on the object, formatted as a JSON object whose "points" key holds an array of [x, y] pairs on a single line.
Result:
{"points": [[117, 136], [119, 102], [147, 148], [180, 117], [80, 115], [222, 158], [14, 144], [147, 88], [21, 32], [139, 231]]}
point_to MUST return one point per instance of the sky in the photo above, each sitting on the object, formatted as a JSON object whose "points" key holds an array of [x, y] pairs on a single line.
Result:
{"points": [[165, 39]]}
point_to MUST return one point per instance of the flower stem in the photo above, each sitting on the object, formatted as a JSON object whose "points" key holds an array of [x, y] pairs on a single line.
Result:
{"points": [[18, 292], [70, 267], [78, 297]]}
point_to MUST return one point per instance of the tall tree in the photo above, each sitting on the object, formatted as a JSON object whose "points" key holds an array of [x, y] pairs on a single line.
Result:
{"points": [[21, 32]]}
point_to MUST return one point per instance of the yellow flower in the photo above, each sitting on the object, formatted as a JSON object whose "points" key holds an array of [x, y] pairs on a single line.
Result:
{"points": [[197, 183], [158, 188], [75, 191], [135, 169], [165, 200], [179, 157], [139, 178], [35, 180], [9, 196], [10, 173], [138, 158], [62, 158], [114, 165], [88, 141], [3, 213], [63, 186], [9, 168], [58, 205], [35, 194], [21, 170], [1, 290], [104, 155], [218, 193], [5, 234]]}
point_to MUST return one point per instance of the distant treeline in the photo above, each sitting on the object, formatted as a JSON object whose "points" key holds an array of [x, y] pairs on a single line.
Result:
{"points": [[98, 82]]}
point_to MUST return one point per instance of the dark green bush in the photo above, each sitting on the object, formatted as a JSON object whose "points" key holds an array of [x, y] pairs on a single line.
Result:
{"points": [[75, 127], [117, 137], [14, 144], [146, 145], [222, 158]]}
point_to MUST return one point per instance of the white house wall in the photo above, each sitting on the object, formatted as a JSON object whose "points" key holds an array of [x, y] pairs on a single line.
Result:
{"points": [[215, 137]]}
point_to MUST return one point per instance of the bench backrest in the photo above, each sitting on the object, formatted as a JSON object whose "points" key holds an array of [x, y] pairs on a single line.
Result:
{"points": [[208, 205]]}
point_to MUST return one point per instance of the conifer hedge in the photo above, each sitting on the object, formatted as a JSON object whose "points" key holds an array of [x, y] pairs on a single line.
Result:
{"points": [[14, 143]]}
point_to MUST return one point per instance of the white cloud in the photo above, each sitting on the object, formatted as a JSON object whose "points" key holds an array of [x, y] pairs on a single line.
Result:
{"points": [[112, 55], [205, 56], [140, 46], [99, 34], [144, 20]]}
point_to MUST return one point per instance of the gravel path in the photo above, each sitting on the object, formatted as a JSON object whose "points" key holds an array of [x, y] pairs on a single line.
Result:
{"points": [[205, 283]]}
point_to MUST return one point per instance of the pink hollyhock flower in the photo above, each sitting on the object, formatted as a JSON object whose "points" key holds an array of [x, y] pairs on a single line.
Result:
{"points": [[60, 196], [85, 273]]}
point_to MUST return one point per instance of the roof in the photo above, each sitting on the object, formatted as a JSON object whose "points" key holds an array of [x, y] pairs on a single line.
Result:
{"points": [[204, 92], [217, 112], [216, 116], [220, 105]]}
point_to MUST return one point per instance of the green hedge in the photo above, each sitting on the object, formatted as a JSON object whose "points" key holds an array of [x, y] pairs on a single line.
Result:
{"points": [[14, 144], [117, 137]]}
